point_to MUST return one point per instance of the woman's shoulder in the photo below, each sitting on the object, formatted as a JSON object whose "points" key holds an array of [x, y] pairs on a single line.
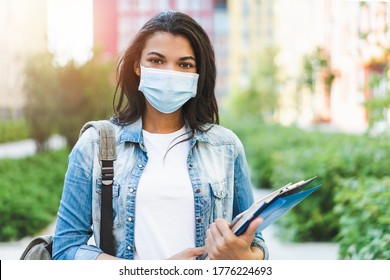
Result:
{"points": [[219, 135], [92, 133], [92, 130]]}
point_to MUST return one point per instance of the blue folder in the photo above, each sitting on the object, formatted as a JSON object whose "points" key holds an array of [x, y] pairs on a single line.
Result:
{"points": [[271, 207], [271, 211]]}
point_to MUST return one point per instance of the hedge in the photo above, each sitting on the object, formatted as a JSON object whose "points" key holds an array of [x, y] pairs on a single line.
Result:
{"points": [[363, 206], [278, 155], [30, 193]]}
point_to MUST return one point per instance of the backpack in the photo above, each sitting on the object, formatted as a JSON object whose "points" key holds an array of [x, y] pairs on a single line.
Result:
{"points": [[40, 247]]}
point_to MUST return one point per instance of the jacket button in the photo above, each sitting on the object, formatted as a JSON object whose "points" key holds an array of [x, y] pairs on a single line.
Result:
{"points": [[198, 190], [128, 247], [190, 165], [199, 220], [131, 190]]}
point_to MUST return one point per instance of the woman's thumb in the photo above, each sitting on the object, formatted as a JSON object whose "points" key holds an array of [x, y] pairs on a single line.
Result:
{"points": [[250, 231]]}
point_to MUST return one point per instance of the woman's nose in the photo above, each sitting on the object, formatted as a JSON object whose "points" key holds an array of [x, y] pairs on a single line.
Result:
{"points": [[171, 66]]}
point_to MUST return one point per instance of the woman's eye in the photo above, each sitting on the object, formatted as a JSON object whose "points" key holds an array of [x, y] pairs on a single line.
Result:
{"points": [[156, 61], [186, 65]]}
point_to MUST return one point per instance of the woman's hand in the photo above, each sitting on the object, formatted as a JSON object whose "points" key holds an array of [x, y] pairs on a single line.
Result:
{"points": [[105, 257], [188, 254], [223, 244]]}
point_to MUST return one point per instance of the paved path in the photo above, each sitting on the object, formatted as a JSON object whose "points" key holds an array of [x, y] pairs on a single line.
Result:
{"points": [[278, 250], [27, 147], [14, 249]]}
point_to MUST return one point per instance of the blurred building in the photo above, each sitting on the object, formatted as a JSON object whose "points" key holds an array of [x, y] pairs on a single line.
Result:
{"points": [[69, 31], [251, 31], [373, 54], [350, 39], [117, 21], [222, 49], [301, 26], [22, 32], [347, 109], [355, 38]]}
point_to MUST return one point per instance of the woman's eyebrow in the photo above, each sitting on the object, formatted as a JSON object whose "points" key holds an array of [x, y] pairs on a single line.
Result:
{"points": [[187, 57], [163, 56], [155, 53]]}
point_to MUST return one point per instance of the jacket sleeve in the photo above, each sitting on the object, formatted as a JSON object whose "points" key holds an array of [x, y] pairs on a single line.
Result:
{"points": [[243, 194], [73, 225]]}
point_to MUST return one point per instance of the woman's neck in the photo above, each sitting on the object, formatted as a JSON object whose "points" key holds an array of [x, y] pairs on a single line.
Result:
{"points": [[155, 122]]}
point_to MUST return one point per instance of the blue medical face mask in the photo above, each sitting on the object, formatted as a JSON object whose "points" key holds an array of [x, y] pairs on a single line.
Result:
{"points": [[167, 90]]}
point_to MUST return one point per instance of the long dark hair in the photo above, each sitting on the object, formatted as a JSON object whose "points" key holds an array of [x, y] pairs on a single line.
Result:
{"points": [[129, 103]]}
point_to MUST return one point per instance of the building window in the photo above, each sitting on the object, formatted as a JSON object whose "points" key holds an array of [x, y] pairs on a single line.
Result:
{"points": [[221, 4]]}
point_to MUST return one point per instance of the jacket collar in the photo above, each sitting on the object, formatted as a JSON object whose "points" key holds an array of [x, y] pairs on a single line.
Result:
{"points": [[133, 133]]}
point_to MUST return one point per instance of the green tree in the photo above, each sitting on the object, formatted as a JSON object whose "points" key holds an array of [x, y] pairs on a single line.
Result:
{"points": [[85, 93], [62, 99], [317, 70], [40, 85], [260, 99], [379, 102], [317, 65]]}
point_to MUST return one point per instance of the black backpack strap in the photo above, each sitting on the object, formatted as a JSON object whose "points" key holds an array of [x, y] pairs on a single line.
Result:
{"points": [[107, 155]]}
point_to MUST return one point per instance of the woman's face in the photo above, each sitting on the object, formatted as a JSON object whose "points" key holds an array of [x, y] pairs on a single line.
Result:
{"points": [[166, 51]]}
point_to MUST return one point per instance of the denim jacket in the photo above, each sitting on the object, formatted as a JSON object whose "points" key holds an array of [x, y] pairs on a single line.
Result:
{"points": [[218, 172]]}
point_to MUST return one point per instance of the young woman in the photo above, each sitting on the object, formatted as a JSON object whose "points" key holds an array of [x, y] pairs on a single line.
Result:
{"points": [[180, 178]]}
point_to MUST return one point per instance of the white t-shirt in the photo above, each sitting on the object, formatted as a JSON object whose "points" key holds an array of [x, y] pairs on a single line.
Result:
{"points": [[165, 211]]}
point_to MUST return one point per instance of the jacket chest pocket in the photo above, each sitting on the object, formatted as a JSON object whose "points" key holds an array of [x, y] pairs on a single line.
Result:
{"points": [[220, 200], [98, 201]]}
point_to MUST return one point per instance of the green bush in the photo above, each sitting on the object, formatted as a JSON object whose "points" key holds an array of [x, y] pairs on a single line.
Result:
{"points": [[330, 157], [13, 130], [278, 155], [363, 206], [30, 191]]}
